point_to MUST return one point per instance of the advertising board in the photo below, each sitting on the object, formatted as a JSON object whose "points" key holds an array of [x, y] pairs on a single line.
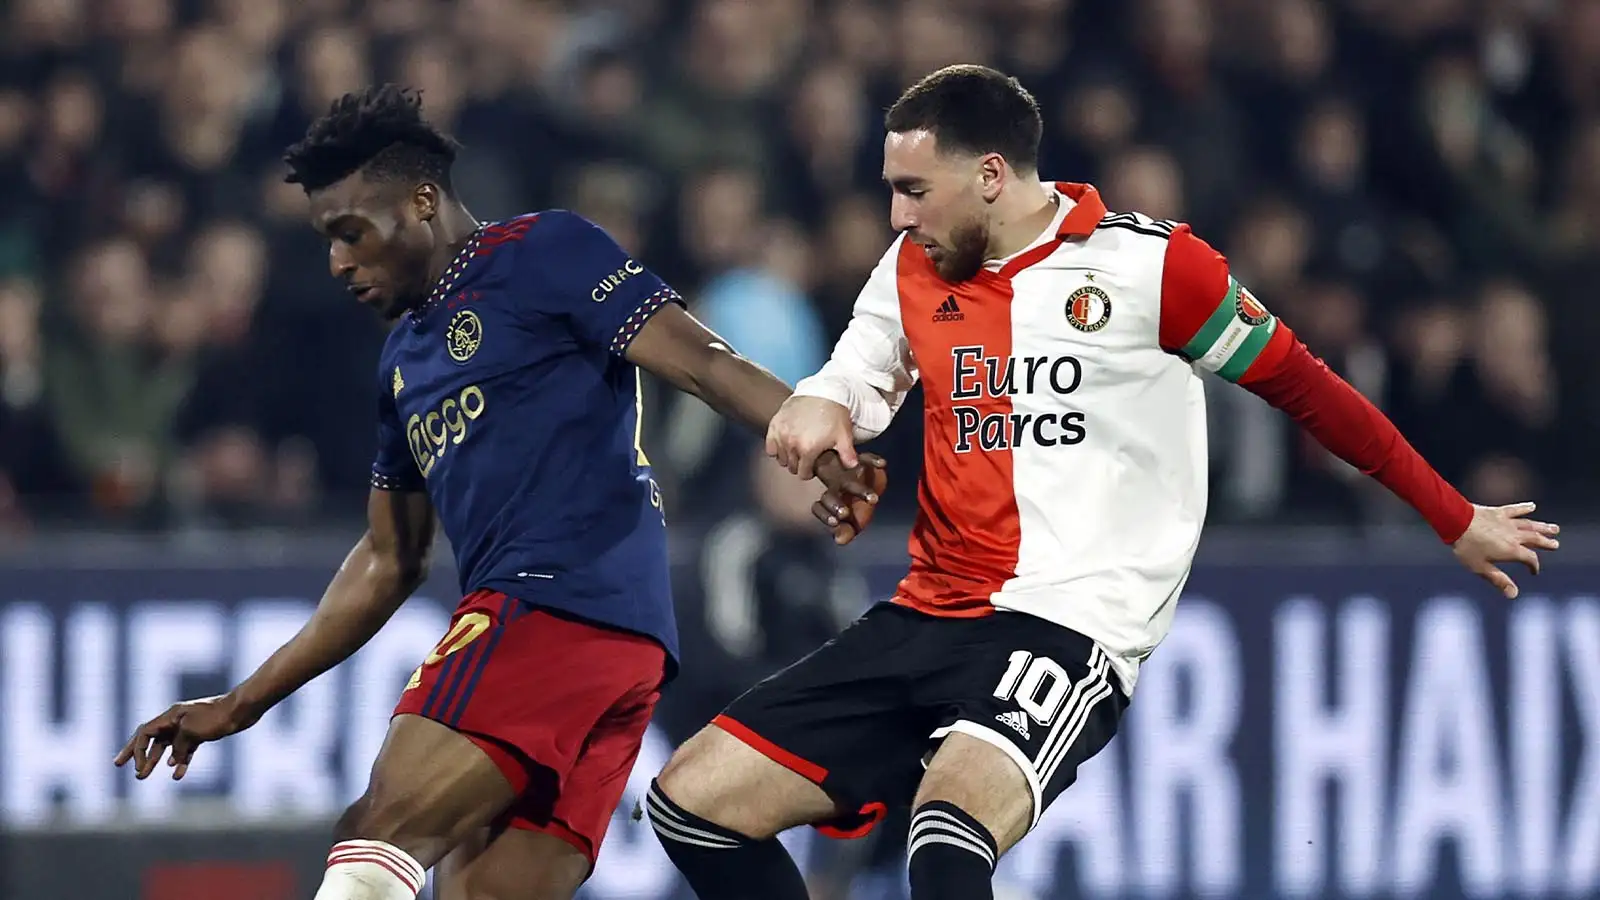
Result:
{"points": [[1306, 731]]}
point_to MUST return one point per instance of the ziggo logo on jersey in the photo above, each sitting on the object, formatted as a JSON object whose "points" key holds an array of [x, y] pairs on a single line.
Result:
{"points": [[978, 376], [431, 434]]}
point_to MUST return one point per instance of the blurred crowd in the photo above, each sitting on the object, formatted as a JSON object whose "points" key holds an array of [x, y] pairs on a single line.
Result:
{"points": [[1414, 186]]}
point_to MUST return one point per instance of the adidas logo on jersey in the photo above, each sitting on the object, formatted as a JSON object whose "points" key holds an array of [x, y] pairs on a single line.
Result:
{"points": [[1018, 721], [948, 311]]}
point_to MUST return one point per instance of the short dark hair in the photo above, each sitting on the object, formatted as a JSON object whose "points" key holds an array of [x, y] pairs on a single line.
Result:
{"points": [[379, 131], [973, 109]]}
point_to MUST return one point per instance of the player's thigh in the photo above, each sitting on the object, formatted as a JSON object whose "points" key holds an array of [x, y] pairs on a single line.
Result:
{"points": [[429, 787], [1025, 702], [829, 740], [724, 779], [511, 864]]}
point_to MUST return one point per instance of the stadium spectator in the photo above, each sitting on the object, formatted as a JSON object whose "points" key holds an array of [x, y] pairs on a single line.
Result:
{"points": [[1414, 181]]}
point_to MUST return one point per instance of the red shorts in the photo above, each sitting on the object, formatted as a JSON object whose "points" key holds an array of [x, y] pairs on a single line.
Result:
{"points": [[559, 705]]}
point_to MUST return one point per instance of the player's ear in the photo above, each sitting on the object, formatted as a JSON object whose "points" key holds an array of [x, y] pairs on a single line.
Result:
{"points": [[991, 176], [425, 201]]}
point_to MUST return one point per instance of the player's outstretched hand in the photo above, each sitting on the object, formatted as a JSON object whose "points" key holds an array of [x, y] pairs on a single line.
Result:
{"points": [[807, 427], [183, 728], [1501, 534], [851, 498]]}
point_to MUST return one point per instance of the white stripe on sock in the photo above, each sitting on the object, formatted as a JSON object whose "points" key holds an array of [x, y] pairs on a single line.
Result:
{"points": [[673, 826], [980, 851], [935, 826]]}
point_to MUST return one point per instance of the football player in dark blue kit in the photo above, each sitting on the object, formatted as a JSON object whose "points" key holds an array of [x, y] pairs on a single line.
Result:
{"points": [[509, 413]]}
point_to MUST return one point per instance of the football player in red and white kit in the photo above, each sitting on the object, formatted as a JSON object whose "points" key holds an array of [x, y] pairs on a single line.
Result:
{"points": [[1060, 348]]}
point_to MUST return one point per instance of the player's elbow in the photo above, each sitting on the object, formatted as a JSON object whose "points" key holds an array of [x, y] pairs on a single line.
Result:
{"points": [[407, 571], [395, 569]]}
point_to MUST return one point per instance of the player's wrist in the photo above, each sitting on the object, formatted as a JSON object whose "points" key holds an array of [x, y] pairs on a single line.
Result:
{"points": [[245, 706]]}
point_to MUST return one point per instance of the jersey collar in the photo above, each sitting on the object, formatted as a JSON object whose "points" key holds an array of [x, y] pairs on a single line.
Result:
{"points": [[1087, 211], [452, 273], [1080, 221]]}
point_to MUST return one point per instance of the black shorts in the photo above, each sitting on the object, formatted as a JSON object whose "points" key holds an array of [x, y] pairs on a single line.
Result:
{"points": [[862, 714]]}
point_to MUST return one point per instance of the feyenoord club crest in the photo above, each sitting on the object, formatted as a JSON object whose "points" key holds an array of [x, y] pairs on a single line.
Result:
{"points": [[1088, 308], [1251, 312]]}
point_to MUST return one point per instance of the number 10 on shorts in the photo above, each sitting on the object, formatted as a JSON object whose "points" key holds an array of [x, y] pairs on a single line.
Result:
{"points": [[1037, 684], [463, 631]]}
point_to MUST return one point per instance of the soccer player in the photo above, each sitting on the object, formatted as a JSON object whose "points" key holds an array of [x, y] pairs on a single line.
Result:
{"points": [[1063, 489], [510, 410]]}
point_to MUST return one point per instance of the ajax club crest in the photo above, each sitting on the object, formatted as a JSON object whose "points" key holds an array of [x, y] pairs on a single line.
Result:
{"points": [[464, 335], [1088, 308]]}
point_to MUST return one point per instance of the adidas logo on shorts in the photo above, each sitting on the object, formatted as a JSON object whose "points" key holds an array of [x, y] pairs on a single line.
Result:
{"points": [[1017, 720]]}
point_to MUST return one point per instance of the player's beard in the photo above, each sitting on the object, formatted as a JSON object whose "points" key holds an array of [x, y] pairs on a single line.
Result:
{"points": [[969, 244], [393, 307], [407, 298]]}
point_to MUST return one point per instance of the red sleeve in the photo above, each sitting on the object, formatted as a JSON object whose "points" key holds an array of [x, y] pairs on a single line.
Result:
{"points": [[1346, 423], [1194, 279], [1210, 319]]}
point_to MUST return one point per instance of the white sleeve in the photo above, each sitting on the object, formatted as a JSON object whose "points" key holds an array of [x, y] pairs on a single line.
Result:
{"points": [[871, 369]]}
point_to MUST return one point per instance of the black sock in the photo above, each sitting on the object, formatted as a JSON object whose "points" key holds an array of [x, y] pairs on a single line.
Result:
{"points": [[721, 864], [952, 855]]}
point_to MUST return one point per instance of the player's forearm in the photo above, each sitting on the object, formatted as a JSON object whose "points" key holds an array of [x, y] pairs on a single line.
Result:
{"points": [[675, 347], [868, 373], [737, 388], [366, 591], [1350, 427]]}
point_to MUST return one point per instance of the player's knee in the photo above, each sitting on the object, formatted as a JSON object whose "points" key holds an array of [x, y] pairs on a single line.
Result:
{"points": [[348, 828], [478, 884], [690, 776], [511, 865], [950, 853], [984, 781], [720, 779], [394, 820], [542, 891]]}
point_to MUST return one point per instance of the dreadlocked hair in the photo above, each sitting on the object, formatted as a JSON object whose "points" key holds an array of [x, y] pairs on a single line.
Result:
{"points": [[379, 131]]}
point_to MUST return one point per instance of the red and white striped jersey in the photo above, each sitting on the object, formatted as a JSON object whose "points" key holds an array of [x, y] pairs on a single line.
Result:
{"points": [[1065, 461]]}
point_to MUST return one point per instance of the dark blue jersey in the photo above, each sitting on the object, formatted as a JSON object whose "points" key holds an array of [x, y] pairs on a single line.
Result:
{"points": [[508, 398]]}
